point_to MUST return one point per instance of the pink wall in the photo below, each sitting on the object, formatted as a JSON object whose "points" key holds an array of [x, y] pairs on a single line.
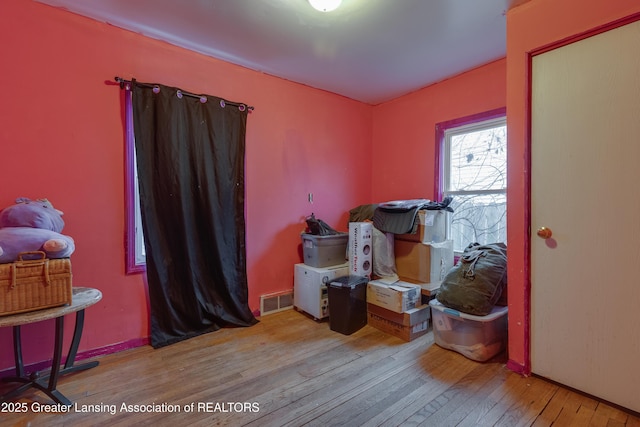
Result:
{"points": [[61, 135], [63, 126], [403, 146], [531, 26]]}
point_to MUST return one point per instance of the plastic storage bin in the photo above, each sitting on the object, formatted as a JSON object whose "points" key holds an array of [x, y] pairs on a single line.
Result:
{"points": [[324, 251], [348, 304], [477, 337]]}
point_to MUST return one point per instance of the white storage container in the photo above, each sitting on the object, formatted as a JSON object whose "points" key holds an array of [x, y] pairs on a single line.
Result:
{"points": [[310, 292], [476, 337]]}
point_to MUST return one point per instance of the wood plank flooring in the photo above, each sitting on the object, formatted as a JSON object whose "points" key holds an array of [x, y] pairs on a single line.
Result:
{"points": [[290, 370]]}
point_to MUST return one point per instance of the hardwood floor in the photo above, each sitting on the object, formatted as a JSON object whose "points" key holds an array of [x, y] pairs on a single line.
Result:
{"points": [[289, 370]]}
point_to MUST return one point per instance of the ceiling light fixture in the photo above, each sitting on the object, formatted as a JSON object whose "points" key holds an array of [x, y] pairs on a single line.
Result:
{"points": [[325, 5]]}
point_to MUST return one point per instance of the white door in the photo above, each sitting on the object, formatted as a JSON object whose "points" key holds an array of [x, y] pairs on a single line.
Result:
{"points": [[585, 188]]}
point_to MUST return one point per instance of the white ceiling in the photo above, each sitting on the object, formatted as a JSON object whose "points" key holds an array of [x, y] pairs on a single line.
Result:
{"points": [[368, 50]]}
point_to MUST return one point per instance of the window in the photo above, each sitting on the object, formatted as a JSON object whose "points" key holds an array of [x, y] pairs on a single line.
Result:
{"points": [[134, 238], [473, 170]]}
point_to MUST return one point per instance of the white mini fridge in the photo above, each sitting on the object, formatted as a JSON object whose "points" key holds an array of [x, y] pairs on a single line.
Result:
{"points": [[310, 292]]}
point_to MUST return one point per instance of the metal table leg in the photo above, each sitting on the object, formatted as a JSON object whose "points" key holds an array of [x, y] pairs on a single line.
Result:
{"points": [[73, 349], [40, 382]]}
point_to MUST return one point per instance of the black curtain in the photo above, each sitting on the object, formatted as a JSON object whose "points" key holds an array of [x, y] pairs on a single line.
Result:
{"points": [[190, 157]]}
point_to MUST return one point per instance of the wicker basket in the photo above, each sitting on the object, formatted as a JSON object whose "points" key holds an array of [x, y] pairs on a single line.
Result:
{"points": [[34, 282]]}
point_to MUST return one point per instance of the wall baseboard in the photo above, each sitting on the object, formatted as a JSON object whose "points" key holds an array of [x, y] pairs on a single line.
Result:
{"points": [[518, 368], [110, 349]]}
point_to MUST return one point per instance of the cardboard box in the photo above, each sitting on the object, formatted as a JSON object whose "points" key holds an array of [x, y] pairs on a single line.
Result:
{"points": [[360, 248], [408, 318], [432, 227], [423, 263], [407, 333], [429, 291], [398, 296]]}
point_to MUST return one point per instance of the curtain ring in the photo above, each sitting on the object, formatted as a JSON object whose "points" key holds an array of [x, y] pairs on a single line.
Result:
{"points": [[222, 103], [203, 99], [179, 94], [156, 89], [242, 107]]}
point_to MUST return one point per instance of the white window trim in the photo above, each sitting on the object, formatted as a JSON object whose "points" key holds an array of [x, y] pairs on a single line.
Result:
{"points": [[444, 131]]}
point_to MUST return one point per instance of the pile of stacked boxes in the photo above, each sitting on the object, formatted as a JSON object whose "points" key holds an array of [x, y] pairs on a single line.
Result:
{"points": [[422, 259], [425, 257], [397, 309], [400, 306]]}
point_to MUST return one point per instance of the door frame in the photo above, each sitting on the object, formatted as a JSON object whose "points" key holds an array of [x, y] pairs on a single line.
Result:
{"points": [[526, 369]]}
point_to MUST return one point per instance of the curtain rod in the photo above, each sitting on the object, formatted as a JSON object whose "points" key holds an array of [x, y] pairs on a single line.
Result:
{"points": [[223, 103]]}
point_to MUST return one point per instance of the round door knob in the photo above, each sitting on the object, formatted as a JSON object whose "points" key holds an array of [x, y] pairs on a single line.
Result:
{"points": [[544, 232]]}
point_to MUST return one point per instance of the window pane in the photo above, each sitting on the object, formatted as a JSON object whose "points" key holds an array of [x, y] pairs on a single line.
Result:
{"points": [[478, 218], [135, 259], [479, 160], [140, 248], [474, 161]]}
